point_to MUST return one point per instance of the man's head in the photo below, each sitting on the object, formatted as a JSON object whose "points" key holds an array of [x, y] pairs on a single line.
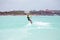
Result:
{"points": [[27, 12]]}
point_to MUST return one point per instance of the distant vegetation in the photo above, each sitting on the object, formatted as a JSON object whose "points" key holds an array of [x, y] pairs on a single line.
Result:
{"points": [[13, 13], [40, 12]]}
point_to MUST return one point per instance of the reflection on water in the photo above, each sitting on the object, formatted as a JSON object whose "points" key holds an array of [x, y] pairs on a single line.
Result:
{"points": [[18, 28]]}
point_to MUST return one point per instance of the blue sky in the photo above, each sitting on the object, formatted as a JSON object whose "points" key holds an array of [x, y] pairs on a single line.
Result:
{"points": [[9, 5]]}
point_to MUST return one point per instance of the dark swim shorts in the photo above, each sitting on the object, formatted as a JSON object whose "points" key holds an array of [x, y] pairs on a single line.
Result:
{"points": [[28, 18]]}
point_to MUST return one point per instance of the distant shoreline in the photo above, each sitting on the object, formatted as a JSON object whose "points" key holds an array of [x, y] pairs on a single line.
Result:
{"points": [[30, 14], [36, 13]]}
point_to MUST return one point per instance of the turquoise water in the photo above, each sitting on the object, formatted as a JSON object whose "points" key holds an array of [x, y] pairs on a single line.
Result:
{"points": [[19, 28]]}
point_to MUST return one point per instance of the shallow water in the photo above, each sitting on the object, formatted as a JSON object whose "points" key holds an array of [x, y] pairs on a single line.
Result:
{"points": [[19, 28]]}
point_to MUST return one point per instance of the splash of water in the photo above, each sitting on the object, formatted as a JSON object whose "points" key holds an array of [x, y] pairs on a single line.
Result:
{"points": [[39, 25]]}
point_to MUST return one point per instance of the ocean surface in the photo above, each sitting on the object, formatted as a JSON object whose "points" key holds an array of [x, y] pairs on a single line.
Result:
{"points": [[19, 28]]}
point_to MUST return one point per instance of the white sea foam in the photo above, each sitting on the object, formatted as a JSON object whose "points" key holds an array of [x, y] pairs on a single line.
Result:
{"points": [[39, 25]]}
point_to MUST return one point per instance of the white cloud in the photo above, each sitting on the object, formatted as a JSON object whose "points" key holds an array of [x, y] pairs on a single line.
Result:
{"points": [[29, 4]]}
